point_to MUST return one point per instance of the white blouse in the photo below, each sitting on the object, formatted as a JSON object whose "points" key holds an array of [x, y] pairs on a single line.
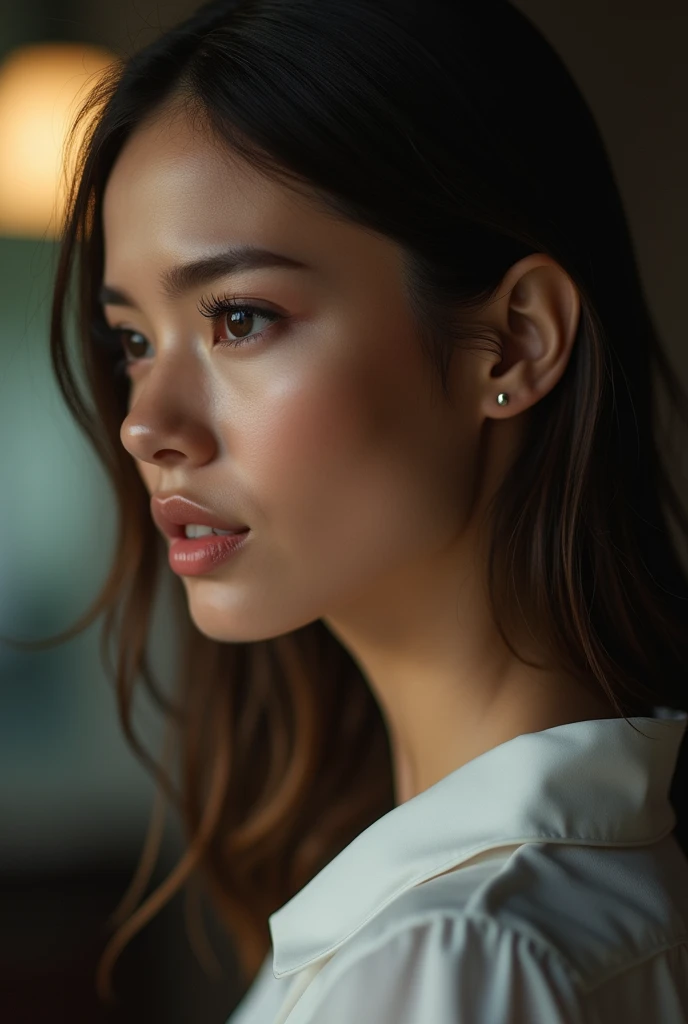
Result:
{"points": [[539, 883]]}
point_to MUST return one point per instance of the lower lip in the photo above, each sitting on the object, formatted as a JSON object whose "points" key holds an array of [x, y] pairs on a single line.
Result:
{"points": [[200, 555]]}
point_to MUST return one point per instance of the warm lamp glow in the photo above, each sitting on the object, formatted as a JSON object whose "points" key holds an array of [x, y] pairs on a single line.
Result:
{"points": [[41, 89]]}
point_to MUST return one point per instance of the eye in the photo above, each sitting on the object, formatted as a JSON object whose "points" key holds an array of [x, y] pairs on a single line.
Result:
{"points": [[115, 340], [237, 318], [136, 340]]}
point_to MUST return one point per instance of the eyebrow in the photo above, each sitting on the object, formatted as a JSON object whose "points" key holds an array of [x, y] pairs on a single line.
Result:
{"points": [[182, 279]]}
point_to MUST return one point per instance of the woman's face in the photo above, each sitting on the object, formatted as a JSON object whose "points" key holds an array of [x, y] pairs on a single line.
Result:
{"points": [[327, 435]]}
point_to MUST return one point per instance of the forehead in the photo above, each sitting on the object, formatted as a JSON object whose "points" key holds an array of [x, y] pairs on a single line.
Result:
{"points": [[175, 186], [177, 193]]}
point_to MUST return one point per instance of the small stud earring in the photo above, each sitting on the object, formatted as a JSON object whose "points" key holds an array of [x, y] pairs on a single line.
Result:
{"points": [[502, 398]]}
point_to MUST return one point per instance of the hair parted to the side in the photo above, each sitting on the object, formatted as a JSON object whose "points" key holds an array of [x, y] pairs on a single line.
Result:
{"points": [[454, 129]]}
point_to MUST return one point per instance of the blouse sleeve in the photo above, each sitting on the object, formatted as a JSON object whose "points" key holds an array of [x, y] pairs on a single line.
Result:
{"points": [[447, 971]]}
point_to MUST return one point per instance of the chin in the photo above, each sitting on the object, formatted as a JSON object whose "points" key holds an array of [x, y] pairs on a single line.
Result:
{"points": [[239, 626]]}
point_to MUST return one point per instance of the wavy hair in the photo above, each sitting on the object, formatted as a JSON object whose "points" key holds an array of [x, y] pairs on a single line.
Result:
{"points": [[454, 129]]}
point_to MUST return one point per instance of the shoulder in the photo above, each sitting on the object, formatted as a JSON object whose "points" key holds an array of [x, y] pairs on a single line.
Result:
{"points": [[446, 968], [593, 909], [535, 936], [600, 909]]}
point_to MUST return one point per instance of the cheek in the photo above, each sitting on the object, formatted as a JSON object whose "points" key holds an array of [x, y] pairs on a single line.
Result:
{"points": [[334, 454], [309, 436]]}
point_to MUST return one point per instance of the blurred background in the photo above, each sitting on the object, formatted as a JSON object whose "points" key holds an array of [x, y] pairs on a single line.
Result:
{"points": [[74, 800]]}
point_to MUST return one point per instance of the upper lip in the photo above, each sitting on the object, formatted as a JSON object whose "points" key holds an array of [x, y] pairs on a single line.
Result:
{"points": [[172, 513]]}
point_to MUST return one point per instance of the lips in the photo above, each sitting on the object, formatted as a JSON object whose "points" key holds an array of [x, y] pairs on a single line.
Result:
{"points": [[171, 514]]}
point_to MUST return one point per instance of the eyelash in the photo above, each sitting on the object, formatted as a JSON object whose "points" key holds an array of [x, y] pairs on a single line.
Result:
{"points": [[214, 309]]}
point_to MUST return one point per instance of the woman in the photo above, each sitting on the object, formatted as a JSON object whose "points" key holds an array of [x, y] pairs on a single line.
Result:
{"points": [[354, 282]]}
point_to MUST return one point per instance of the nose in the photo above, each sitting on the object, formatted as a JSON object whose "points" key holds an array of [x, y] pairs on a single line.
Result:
{"points": [[158, 446], [168, 423]]}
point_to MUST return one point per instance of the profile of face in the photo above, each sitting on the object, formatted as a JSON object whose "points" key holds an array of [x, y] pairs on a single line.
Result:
{"points": [[325, 430]]}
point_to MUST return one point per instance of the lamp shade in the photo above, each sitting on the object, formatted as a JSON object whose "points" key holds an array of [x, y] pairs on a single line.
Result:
{"points": [[42, 86]]}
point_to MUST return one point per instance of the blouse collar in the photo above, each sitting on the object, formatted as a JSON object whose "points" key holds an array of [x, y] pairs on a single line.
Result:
{"points": [[597, 782]]}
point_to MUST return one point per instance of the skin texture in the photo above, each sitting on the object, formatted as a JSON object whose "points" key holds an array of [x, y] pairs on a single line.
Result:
{"points": [[328, 436]]}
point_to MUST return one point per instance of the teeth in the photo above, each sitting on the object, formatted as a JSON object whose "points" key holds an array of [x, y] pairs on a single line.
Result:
{"points": [[191, 530]]}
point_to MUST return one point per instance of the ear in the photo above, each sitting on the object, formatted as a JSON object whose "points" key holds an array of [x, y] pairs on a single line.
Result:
{"points": [[536, 315]]}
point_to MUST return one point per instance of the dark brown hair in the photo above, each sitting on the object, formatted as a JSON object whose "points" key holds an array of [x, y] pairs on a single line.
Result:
{"points": [[454, 129]]}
